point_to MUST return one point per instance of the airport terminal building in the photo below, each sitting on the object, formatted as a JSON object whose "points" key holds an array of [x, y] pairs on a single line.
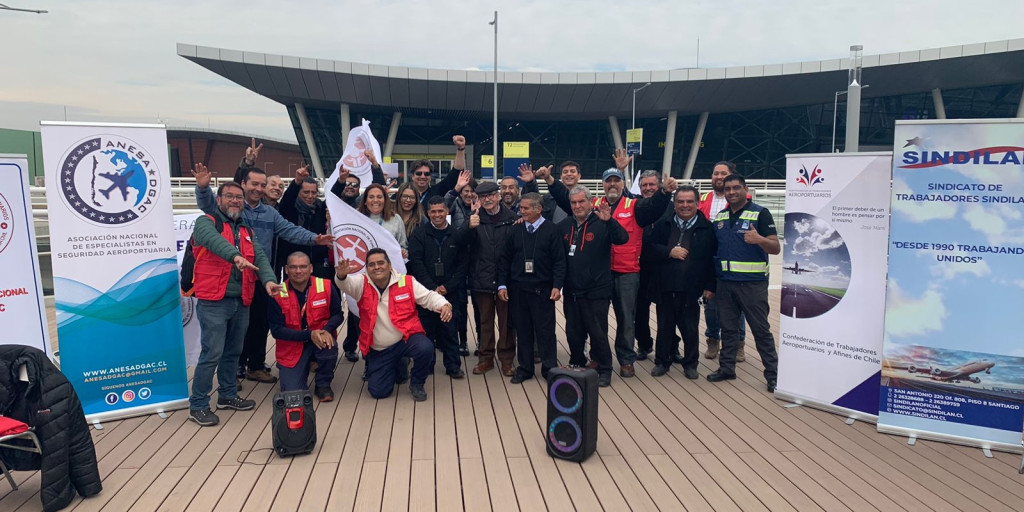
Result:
{"points": [[692, 118]]}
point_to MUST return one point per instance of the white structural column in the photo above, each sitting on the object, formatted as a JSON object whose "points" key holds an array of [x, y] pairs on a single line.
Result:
{"points": [[389, 146], [307, 134], [670, 142], [698, 136], [940, 107], [346, 124], [613, 122]]}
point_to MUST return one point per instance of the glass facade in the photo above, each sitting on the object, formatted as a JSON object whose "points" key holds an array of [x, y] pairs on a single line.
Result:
{"points": [[757, 141]]}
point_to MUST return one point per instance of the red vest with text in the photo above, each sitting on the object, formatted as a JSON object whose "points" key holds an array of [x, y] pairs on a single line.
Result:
{"points": [[317, 310], [705, 204], [401, 307], [626, 257], [212, 272]]}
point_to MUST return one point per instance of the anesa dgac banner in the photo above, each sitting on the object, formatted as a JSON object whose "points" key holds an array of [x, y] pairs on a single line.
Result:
{"points": [[115, 274], [833, 281], [954, 361]]}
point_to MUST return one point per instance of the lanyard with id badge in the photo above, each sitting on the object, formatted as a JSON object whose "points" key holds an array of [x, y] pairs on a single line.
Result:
{"points": [[583, 238]]}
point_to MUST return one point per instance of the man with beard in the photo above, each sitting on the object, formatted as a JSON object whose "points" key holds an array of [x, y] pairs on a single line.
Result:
{"points": [[650, 182], [347, 186], [421, 171], [746, 236], [228, 264], [632, 215], [587, 239], [683, 248], [710, 204], [302, 206]]}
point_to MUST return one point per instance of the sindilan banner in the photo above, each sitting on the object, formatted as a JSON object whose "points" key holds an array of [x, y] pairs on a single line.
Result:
{"points": [[833, 281], [22, 313], [115, 275], [954, 362]]}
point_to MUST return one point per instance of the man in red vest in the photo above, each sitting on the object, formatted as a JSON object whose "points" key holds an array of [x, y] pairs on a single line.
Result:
{"points": [[389, 325], [304, 318], [632, 214], [227, 266]]}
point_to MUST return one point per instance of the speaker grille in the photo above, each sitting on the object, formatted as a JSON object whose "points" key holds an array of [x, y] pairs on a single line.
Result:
{"points": [[565, 434], [566, 395]]}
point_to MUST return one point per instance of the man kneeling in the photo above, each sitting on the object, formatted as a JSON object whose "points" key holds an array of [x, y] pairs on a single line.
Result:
{"points": [[304, 317], [389, 326]]}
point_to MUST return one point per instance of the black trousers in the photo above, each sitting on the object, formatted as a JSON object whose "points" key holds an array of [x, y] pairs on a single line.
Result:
{"points": [[677, 311], [254, 348], [588, 317], [751, 299], [642, 320], [351, 343], [533, 315], [445, 336]]}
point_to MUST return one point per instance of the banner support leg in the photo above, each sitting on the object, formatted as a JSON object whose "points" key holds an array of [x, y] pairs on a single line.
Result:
{"points": [[851, 420], [987, 452], [912, 440], [162, 414], [791, 406], [97, 425]]}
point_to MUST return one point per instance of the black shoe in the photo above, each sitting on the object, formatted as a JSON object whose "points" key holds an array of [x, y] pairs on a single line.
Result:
{"points": [[403, 371], [659, 370], [456, 374], [519, 378], [476, 352], [204, 417], [691, 373], [641, 355], [604, 380], [463, 349], [237, 403], [351, 356], [324, 394], [718, 376], [771, 385], [241, 373], [418, 393], [677, 359]]}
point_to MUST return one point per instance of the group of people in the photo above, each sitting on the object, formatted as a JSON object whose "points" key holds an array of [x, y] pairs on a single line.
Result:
{"points": [[504, 247]]}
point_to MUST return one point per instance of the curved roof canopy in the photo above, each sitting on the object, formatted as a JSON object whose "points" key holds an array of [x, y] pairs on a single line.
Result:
{"points": [[327, 83]]}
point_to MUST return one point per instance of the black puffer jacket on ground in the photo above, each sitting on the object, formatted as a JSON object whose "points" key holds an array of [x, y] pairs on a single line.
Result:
{"points": [[48, 403]]}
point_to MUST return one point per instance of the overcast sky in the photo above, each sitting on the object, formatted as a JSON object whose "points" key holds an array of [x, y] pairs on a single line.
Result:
{"points": [[116, 60]]}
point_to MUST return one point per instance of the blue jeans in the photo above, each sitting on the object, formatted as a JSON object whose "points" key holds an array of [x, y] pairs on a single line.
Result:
{"points": [[223, 323], [624, 290], [714, 323]]}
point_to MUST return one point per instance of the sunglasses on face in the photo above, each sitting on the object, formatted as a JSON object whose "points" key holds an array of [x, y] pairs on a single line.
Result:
{"points": [[422, 173], [351, 184]]}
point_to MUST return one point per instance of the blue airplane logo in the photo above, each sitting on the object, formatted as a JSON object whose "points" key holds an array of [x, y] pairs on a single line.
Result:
{"points": [[118, 181]]}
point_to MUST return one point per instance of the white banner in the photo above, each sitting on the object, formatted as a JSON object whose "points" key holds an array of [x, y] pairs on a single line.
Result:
{"points": [[114, 271], [360, 139], [355, 234], [183, 226], [22, 312], [833, 281]]}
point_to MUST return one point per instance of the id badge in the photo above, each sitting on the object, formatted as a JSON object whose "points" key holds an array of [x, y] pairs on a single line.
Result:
{"points": [[746, 225], [528, 266], [438, 269], [572, 250]]}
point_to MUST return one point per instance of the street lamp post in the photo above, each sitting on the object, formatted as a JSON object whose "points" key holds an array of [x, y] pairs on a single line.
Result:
{"points": [[632, 124], [835, 115], [494, 137]]}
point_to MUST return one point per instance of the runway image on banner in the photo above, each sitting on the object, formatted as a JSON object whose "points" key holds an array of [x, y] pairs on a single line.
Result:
{"points": [[816, 267]]}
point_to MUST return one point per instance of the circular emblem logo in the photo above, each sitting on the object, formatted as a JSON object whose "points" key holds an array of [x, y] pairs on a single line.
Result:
{"points": [[111, 398], [109, 180], [353, 243], [128, 395], [188, 310], [145, 393], [589, 237], [6, 223]]}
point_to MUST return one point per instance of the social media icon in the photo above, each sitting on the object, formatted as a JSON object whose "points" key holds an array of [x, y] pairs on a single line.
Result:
{"points": [[128, 396], [145, 393], [111, 398]]}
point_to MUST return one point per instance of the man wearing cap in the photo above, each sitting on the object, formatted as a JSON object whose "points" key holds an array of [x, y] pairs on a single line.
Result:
{"points": [[632, 214]]}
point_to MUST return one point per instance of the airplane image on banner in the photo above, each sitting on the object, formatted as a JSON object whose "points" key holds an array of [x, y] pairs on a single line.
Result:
{"points": [[118, 181], [962, 372], [796, 268]]}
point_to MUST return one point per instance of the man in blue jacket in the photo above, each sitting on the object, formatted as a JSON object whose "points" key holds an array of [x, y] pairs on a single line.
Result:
{"points": [[267, 224]]}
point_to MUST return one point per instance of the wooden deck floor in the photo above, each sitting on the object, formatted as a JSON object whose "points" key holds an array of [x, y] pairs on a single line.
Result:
{"points": [[477, 444]]}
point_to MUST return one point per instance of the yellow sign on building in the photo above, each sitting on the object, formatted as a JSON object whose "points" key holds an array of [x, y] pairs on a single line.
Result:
{"points": [[517, 150], [487, 161]]}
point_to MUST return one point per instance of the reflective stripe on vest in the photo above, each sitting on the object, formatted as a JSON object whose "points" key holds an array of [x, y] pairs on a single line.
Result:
{"points": [[739, 260], [747, 267]]}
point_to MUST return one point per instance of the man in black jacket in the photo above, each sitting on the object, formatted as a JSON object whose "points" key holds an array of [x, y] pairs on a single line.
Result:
{"points": [[531, 273], [302, 206], [437, 260], [489, 227], [587, 239], [685, 245]]}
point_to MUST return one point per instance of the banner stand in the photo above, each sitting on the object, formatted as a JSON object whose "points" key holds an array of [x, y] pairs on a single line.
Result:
{"points": [[850, 414]]}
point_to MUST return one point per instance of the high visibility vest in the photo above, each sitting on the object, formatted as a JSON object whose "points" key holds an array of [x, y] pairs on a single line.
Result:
{"points": [[738, 260], [626, 257], [211, 273], [317, 310], [401, 308]]}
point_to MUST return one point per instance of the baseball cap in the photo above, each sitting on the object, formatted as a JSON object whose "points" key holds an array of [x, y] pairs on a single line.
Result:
{"points": [[487, 187], [612, 172]]}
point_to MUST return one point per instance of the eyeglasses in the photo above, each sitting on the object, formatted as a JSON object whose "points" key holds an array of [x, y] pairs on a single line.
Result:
{"points": [[422, 173], [233, 197], [351, 184]]}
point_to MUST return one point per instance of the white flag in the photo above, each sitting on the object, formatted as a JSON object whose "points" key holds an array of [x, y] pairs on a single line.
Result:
{"points": [[360, 139], [355, 234]]}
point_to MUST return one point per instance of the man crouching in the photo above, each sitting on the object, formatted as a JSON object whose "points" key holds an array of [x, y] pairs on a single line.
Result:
{"points": [[390, 328]]}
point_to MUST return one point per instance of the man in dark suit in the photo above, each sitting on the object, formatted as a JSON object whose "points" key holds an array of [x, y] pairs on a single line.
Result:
{"points": [[531, 272], [684, 244]]}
